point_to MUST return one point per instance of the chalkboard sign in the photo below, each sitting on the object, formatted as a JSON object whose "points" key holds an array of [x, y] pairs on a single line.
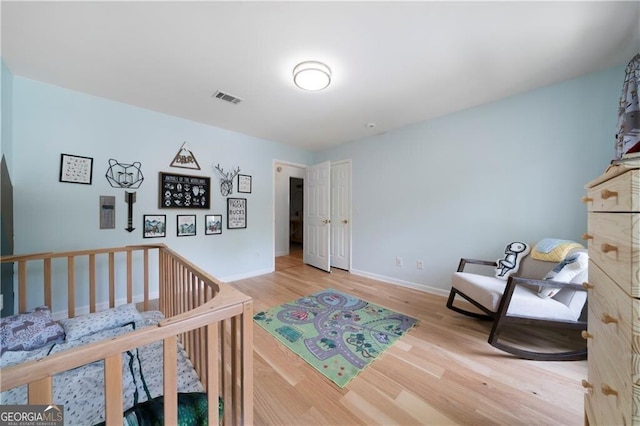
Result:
{"points": [[183, 191]]}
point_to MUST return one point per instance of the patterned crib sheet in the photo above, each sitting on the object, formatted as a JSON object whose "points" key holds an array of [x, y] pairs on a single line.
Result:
{"points": [[81, 390]]}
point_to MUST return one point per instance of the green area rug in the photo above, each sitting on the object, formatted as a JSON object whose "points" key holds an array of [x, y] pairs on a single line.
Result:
{"points": [[336, 333]]}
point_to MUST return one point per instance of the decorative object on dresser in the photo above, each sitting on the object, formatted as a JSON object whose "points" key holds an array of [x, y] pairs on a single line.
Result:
{"points": [[628, 135], [537, 293], [613, 335]]}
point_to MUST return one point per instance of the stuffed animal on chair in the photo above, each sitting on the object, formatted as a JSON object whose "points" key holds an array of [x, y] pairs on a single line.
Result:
{"points": [[513, 254]]}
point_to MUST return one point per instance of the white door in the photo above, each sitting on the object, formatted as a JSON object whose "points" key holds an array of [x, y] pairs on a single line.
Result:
{"points": [[317, 225], [341, 215]]}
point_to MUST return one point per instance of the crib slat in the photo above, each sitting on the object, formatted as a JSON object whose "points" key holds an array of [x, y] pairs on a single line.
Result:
{"points": [[129, 276], [247, 364], [47, 283], [71, 286], [113, 390], [170, 386], [92, 283], [112, 280], [41, 391], [22, 286], [146, 279], [213, 377]]}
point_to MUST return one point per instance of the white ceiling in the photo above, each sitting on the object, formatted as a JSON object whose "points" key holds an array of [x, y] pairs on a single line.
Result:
{"points": [[393, 63]]}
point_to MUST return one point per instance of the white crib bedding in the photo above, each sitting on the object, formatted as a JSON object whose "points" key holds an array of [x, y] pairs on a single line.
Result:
{"points": [[81, 390]]}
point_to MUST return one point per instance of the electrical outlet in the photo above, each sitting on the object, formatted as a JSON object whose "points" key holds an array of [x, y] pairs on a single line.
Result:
{"points": [[420, 264], [398, 261]]}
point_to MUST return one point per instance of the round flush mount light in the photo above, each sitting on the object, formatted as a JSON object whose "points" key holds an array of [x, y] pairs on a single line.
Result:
{"points": [[312, 75]]}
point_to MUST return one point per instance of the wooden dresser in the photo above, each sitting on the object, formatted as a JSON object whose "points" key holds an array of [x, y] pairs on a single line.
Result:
{"points": [[613, 199]]}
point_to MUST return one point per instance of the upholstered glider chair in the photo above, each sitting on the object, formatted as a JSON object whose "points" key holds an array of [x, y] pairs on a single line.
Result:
{"points": [[542, 288]]}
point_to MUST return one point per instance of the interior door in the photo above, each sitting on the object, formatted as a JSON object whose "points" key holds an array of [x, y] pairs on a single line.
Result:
{"points": [[341, 215], [317, 225]]}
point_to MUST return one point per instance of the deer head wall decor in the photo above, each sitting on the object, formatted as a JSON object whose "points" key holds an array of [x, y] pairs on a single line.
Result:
{"points": [[226, 180]]}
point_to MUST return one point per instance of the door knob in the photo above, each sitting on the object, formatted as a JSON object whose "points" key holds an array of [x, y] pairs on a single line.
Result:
{"points": [[326, 221], [345, 221]]}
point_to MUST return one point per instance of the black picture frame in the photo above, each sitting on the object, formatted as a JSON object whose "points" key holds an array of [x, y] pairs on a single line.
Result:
{"points": [[236, 213], [212, 224], [76, 169], [179, 191], [154, 225], [244, 184], [186, 225]]}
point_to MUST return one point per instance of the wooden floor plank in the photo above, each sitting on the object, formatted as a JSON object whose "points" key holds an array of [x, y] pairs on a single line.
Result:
{"points": [[443, 372]]}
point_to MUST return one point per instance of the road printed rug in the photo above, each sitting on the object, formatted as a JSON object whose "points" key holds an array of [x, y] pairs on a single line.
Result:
{"points": [[338, 334]]}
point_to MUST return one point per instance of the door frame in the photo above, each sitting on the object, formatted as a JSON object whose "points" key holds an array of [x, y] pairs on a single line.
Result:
{"points": [[274, 213], [275, 164]]}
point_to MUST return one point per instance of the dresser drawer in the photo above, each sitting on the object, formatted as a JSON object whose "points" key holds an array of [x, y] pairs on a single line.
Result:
{"points": [[619, 194], [612, 317], [614, 241]]}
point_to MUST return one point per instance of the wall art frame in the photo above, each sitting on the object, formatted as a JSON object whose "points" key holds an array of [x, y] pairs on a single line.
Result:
{"points": [[186, 225], [183, 191], [236, 213], [213, 224], [154, 225], [244, 184], [76, 169]]}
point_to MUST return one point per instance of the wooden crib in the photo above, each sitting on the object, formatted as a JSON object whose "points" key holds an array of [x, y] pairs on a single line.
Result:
{"points": [[212, 321]]}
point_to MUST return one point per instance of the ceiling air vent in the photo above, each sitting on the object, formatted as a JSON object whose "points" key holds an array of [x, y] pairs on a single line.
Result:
{"points": [[227, 97]]}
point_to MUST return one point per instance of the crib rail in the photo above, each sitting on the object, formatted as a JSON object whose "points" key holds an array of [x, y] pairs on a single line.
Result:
{"points": [[212, 320]]}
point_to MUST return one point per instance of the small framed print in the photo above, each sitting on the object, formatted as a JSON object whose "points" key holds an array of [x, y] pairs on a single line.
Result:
{"points": [[244, 184], [155, 225], [212, 224], [236, 213], [186, 225], [76, 169]]}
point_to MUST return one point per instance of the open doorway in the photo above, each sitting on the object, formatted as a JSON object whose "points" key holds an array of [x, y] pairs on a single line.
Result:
{"points": [[296, 215]]}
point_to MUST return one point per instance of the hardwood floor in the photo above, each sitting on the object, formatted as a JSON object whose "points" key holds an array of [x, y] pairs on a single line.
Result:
{"points": [[442, 372]]}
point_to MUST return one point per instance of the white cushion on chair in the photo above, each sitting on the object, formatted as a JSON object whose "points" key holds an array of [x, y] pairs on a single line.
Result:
{"points": [[525, 302]]}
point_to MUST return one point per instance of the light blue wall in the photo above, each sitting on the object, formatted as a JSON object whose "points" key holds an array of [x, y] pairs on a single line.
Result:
{"points": [[6, 114], [461, 185], [468, 183], [50, 215]]}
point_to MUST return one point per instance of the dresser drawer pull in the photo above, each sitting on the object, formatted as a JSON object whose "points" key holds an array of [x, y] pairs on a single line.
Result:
{"points": [[586, 199], [586, 236], [608, 194], [587, 286], [606, 389], [586, 335], [586, 384], [608, 319], [606, 248]]}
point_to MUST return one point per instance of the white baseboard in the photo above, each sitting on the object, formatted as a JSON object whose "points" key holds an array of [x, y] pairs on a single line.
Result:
{"points": [[282, 253], [402, 283], [251, 274]]}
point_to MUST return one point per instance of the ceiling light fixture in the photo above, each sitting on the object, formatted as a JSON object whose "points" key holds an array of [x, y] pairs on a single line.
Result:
{"points": [[311, 75]]}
